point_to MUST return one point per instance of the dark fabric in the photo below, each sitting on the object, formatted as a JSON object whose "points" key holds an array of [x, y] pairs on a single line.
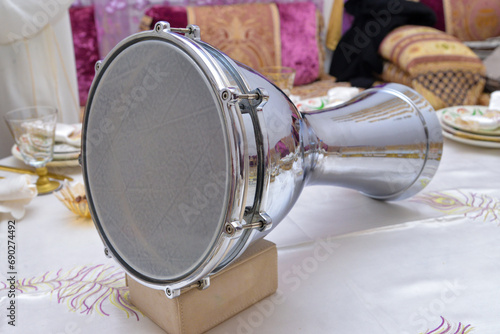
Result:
{"points": [[356, 57], [438, 8], [176, 16]]}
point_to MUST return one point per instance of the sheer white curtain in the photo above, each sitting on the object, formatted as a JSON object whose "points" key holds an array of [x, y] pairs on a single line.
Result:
{"points": [[37, 61]]}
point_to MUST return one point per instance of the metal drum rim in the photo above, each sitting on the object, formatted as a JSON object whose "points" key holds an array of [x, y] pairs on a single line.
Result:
{"points": [[219, 83]]}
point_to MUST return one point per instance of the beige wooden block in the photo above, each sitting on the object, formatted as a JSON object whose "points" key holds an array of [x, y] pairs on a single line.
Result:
{"points": [[253, 277]]}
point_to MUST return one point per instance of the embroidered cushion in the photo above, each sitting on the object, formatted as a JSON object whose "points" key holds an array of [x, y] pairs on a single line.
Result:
{"points": [[437, 65], [472, 20], [255, 34]]}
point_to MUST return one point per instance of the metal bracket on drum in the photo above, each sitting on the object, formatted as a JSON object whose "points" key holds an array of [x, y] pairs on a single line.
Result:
{"points": [[200, 285], [262, 222], [254, 98], [191, 31], [97, 66], [251, 103], [107, 253], [257, 218]]}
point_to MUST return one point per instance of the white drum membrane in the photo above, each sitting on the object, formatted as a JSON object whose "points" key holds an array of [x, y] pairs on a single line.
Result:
{"points": [[156, 160]]}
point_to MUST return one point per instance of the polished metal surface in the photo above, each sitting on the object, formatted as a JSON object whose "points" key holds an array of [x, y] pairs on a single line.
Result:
{"points": [[385, 143], [164, 170]]}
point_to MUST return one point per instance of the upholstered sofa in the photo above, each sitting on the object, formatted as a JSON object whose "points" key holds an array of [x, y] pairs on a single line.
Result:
{"points": [[290, 34]]}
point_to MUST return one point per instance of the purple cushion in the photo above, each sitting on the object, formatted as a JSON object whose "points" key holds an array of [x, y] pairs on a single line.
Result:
{"points": [[86, 47], [299, 43]]}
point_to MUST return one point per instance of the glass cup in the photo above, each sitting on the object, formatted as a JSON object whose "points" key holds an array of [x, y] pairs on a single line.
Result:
{"points": [[33, 129], [281, 76]]}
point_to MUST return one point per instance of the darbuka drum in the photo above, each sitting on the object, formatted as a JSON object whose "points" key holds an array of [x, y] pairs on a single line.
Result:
{"points": [[188, 157]]}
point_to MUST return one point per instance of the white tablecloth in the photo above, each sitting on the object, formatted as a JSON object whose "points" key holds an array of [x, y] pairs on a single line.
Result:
{"points": [[347, 263]]}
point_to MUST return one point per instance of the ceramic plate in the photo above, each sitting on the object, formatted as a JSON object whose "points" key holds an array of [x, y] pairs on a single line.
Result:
{"points": [[473, 142], [65, 152], [452, 116], [469, 135], [315, 104], [70, 162]]}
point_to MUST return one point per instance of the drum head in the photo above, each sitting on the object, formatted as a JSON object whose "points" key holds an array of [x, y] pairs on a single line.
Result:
{"points": [[156, 159]]}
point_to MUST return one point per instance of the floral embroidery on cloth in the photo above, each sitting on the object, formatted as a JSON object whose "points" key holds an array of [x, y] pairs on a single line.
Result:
{"points": [[84, 289], [472, 205], [446, 328]]}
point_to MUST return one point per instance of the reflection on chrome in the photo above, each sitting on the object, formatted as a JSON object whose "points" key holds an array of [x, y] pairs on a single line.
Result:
{"points": [[385, 143]]}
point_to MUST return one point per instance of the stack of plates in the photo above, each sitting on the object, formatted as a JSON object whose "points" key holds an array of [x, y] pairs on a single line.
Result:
{"points": [[66, 149], [456, 125], [336, 96], [484, 48], [313, 104]]}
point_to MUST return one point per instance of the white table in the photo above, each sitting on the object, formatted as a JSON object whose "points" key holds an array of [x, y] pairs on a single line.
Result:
{"points": [[347, 263]]}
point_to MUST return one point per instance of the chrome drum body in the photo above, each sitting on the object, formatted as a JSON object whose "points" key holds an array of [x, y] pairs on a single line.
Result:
{"points": [[188, 157]]}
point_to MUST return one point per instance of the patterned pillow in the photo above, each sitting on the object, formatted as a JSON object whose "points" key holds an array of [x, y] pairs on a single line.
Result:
{"points": [[472, 20], [249, 33], [256, 34], [436, 64]]}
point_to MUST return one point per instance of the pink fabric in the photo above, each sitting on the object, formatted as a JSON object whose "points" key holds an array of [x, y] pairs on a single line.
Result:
{"points": [[437, 7], [472, 20], [176, 16], [298, 25], [117, 19], [86, 47], [299, 44]]}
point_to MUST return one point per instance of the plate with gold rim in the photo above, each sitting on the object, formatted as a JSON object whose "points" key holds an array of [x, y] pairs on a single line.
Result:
{"points": [[453, 117]]}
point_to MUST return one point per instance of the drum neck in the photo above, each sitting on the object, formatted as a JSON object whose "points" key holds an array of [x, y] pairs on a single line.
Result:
{"points": [[386, 143]]}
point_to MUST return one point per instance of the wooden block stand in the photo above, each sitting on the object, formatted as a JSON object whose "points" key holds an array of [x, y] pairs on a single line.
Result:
{"points": [[253, 277]]}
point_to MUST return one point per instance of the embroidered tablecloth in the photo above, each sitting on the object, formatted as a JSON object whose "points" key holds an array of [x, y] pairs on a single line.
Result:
{"points": [[347, 263]]}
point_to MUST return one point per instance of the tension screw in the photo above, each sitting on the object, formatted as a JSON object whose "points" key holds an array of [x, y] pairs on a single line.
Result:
{"points": [[229, 229]]}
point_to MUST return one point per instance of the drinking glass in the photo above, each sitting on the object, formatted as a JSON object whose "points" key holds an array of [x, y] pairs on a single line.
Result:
{"points": [[281, 76], [33, 129]]}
